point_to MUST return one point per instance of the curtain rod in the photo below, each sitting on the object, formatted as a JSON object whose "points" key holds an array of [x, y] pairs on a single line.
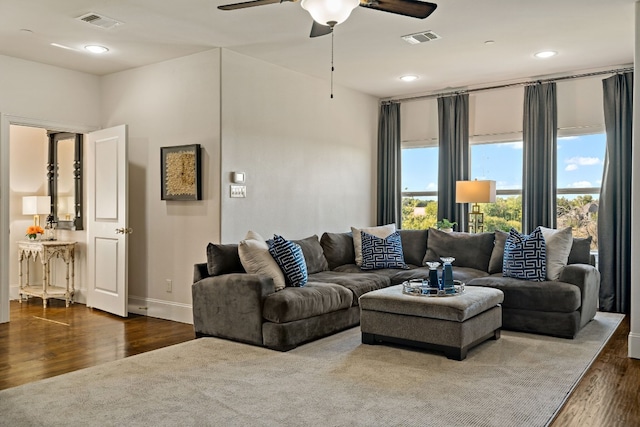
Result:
{"points": [[530, 82]]}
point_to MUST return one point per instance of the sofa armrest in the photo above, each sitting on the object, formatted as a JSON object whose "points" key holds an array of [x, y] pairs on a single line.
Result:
{"points": [[230, 306], [200, 271], [587, 278]]}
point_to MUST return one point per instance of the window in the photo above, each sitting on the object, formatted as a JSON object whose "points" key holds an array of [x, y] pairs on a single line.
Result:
{"points": [[580, 169], [501, 162], [419, 187]]}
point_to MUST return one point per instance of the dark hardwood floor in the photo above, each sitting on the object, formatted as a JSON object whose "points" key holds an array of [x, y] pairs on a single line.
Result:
{"points": [[609, 392], [39, 343]]}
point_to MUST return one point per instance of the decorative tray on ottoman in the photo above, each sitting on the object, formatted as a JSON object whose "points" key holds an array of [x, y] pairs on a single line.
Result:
{"points": [[421, 288]]}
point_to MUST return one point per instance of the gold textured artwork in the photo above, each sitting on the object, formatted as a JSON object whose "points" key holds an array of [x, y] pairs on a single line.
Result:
{"points": [[181, 173], [180, 168]]}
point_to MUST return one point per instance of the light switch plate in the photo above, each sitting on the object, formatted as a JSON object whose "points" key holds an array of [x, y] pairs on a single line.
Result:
{"points": [[238, 191]]}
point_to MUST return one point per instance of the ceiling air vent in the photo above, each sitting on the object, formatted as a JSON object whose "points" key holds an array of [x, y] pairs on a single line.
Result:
{"points": [[422, 37], [99, 20]]}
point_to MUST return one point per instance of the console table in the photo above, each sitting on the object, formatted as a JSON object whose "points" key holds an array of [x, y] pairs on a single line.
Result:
{"points": [[47, 251]]}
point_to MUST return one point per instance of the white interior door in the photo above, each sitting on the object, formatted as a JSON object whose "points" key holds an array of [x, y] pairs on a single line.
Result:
{"points": [[107, 220]]}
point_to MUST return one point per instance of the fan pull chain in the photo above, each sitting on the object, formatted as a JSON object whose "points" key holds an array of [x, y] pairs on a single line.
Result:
{"points": [[332, 68]]}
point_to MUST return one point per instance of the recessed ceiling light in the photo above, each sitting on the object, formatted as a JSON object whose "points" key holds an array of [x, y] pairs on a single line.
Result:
{"points": [[545, 54], [94, 48], [409, 78]]}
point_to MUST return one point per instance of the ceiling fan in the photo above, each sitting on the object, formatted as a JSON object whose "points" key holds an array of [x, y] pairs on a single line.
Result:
{"points": [[328, 13]]}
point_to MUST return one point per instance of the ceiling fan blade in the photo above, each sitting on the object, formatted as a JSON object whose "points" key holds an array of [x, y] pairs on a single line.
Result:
{"points": [[318, 30], [245, 4], [412, 8]]}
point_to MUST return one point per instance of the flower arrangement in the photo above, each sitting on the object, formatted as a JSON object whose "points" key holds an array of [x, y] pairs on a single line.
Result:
{"points": [[33, 231]]}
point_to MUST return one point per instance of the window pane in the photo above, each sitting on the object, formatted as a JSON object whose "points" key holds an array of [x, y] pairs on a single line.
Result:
{"points": [[504, 214], [581, 213], [419, 213], [420, 169], [581, 161], [501, 162]]}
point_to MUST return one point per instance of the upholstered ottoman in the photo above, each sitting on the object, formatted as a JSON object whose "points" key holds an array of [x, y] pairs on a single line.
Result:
{"points": [[452, 324]]}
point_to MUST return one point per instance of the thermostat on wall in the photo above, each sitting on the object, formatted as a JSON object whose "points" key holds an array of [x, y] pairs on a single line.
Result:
{"points": [[237, 177]]}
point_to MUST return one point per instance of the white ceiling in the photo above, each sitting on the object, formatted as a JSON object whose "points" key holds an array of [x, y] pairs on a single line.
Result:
{"points": [[370, 56]]}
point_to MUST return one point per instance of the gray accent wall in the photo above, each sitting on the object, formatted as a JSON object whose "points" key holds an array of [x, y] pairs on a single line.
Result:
{"points": [[310, 161]]}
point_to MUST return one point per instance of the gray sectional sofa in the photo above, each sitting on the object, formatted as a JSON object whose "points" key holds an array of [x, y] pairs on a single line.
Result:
{"points": [[229, 303]]}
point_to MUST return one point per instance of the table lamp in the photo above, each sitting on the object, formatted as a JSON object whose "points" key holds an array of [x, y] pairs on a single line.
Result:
{"points": [[476, 192], [36, 206]]}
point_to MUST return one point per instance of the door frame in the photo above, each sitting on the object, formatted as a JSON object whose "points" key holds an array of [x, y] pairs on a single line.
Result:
{"points": [[6, 120]]}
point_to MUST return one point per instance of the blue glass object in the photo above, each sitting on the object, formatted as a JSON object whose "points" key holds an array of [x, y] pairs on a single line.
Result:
{"points": [[433, 274], [447, 272]]}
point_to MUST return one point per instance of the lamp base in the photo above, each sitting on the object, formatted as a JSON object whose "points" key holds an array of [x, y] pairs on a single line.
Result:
{"points": [[476, 219]]}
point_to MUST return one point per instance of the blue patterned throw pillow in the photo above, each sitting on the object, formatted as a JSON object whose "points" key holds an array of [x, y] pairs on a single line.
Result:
{"points": [[382, 253], [525, 256], [289, 257]]}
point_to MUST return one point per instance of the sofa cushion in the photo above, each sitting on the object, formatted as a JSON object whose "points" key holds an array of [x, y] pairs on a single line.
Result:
{"points": [[223, 259], [557, 247], [551, 296], [525, 256], [580, 251], [414, 246], [378, 253], [338, 249], [497, 254], [313, 254], [311, 300], [358, 284], [256, 259], [469, 250], [381, 231], [290, 259]]}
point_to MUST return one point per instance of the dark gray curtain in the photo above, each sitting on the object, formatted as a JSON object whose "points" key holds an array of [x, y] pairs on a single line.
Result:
{"points": [[453, 156], [614, 211], [539, 135], [389, 165]]}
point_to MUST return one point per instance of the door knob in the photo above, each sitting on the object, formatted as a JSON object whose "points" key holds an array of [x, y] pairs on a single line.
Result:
{"points": [[124, 230]]}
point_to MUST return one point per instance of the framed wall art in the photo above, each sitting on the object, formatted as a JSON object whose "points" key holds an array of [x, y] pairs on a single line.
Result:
{"points": [[180, 169]]}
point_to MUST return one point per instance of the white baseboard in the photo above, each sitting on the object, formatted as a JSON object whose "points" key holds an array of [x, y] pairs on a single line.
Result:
{"points": [[634, 345], [167, 310]]}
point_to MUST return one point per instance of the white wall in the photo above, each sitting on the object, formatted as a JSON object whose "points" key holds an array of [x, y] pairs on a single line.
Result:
{"points": [[634, 335], [28, 177], [52, 97], [175, 102], [310, 161]]}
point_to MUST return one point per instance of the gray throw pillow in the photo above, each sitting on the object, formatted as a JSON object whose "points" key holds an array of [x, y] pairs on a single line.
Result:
{"points": [[497, 255], [338, 249], [469, 250], [313, 254], [223, 259], [414, 245], [580, 251]]}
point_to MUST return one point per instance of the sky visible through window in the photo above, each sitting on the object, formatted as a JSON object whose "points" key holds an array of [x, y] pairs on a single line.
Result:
{"points": [[580, 164]]}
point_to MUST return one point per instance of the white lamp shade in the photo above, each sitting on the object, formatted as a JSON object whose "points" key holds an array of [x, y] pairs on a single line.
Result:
{"points": [[36, 205], [475, 191], [325, 11]]}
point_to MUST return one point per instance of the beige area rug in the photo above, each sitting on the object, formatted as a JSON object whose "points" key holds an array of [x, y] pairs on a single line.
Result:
{"points": [[519, 380]]}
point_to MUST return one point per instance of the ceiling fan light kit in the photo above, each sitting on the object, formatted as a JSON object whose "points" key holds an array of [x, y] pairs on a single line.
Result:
{"points": [[329, 12]]}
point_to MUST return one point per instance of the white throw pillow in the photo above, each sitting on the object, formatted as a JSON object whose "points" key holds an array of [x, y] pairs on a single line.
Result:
{"points": [[558, 246], [382, 232], [256, 259]]}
